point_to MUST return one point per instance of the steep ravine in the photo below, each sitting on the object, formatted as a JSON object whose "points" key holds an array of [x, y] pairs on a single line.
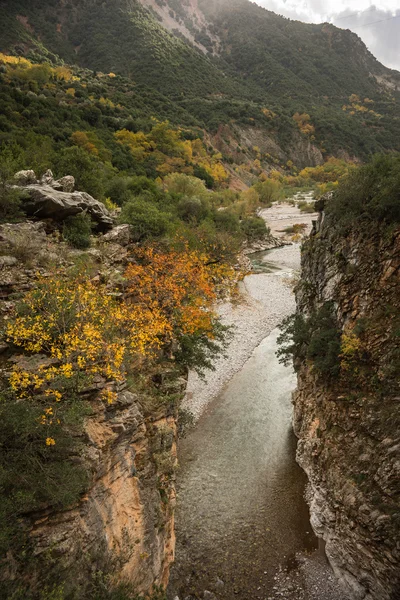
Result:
{"points": [[348, 427], [243, 527]]}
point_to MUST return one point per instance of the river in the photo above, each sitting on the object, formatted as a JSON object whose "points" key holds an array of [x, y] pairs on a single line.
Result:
{"points": [[242, 523]]}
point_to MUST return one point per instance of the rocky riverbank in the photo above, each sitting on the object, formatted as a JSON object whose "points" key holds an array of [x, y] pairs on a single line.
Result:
{"points": [[265, 299]]}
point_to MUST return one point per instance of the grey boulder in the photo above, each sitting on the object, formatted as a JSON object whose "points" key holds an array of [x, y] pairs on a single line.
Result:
{"points": [[45, 202], [119, 235], [25, 177]]}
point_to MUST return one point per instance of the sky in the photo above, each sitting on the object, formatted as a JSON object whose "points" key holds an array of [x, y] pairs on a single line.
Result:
{"points": [[361, 16]]}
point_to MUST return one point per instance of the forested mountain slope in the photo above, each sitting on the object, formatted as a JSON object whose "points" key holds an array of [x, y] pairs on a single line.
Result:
{"points": [[224, 62]]}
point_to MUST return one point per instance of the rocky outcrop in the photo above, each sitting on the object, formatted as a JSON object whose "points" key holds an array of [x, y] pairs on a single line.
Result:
{"points": [[56, 199], [123, 526], [348, 425]]}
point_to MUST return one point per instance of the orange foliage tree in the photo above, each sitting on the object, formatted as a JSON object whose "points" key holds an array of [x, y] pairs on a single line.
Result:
{"points": [[182, 287]]}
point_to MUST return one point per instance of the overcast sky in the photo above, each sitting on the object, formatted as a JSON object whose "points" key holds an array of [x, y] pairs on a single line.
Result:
{"points": [[383, 38]]}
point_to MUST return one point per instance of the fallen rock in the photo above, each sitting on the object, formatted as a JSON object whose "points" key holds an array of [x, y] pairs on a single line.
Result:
{"points": [[67, 183], [47, 203], [47, 178], [25, 177], [8, 261], [118, 235]]}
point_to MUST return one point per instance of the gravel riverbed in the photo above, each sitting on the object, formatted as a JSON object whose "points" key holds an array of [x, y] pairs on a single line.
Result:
{"points": [[265, 300]]}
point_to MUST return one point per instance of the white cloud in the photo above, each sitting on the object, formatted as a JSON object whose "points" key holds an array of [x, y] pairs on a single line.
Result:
{"points": [[361, 16]]}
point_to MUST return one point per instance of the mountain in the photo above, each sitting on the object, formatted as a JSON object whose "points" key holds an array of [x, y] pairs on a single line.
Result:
{"points": [[226, 63]]}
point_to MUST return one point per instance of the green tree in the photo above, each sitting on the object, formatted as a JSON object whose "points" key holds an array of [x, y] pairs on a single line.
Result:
{"points": [[11, 158], [89, 172], [146, 220]]}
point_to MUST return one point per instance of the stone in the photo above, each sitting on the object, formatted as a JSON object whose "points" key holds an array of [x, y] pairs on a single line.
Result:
{"points": [[47, 178], [209, 595], [25, 177], [67, 183], [8, 261], [219, 584], [118, 235], [45, 202]]}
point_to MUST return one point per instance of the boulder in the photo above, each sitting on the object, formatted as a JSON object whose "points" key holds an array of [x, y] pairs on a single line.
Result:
{"points": [[119, 235], [47, 178], [67, 183], [25, 177], [45, 202], [8, 261]]}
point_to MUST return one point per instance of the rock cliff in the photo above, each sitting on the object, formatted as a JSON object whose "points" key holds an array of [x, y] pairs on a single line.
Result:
{"points": [[122, 528], [347, 421]]}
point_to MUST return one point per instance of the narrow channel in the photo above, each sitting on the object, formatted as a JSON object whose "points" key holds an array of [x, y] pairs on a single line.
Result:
{"points": [[241, 512]]}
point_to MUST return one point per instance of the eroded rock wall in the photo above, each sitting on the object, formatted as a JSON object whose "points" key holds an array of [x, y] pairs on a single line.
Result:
{"points": [[122, 528], [348, 427]]}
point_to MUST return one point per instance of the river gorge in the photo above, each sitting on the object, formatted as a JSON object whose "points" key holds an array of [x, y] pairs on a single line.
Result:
{"points": [[243, 528]]}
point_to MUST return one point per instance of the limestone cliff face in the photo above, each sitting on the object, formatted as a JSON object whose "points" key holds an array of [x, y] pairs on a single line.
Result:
{"points": [[123, 527], [348, 426], [124, 523]]}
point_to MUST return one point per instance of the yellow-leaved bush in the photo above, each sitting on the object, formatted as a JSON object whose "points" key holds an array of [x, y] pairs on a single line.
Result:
{"points": [[80, 329], [84, 331]]}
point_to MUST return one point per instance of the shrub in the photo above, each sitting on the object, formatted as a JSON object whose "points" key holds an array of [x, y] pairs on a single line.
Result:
{"points": [[77, 230], [10, 199], [146, 220], [370, 193], [118, 192], [306, 207], [88, 170], [201, 173], [269, 191], [316, 338], [254, 228], [24, 454], [192, 210], [226, 220], [179, 183]]}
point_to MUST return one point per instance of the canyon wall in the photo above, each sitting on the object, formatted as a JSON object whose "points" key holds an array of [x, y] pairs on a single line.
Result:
{"points": [[121, 530], [347, 421]]}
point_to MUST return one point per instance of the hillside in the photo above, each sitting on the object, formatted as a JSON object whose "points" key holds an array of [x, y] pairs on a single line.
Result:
{"points": [[225, 63]]}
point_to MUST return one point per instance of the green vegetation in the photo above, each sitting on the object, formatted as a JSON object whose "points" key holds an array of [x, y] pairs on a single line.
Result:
{"points": [[370, 193], [316, 339], [259, 79], [10, 199], [77, 230], [25, 455]]}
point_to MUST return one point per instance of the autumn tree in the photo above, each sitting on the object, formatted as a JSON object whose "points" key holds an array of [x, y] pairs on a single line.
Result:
{"points": [[303, 121], [182, 288]]}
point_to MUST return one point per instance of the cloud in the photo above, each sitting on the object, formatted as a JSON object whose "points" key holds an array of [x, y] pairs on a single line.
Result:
{"points": [[377, 24], [379, 30]]}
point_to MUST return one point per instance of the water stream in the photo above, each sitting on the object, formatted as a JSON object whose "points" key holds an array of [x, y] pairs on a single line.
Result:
{"points": [[241, 515]]}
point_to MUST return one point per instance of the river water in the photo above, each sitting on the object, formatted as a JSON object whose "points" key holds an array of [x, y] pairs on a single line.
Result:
{"points": [[241, 519]]}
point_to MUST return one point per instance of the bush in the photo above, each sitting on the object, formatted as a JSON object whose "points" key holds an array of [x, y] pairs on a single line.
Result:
{"points": [[316, 339], [10, 199], [254, 228], [192, 210], [88, 170], [145, 219], [306, 207], [269, 191], [226, 220], [10, 204], [118, 192], [77, 230], [370, 193], [24, 454]]}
